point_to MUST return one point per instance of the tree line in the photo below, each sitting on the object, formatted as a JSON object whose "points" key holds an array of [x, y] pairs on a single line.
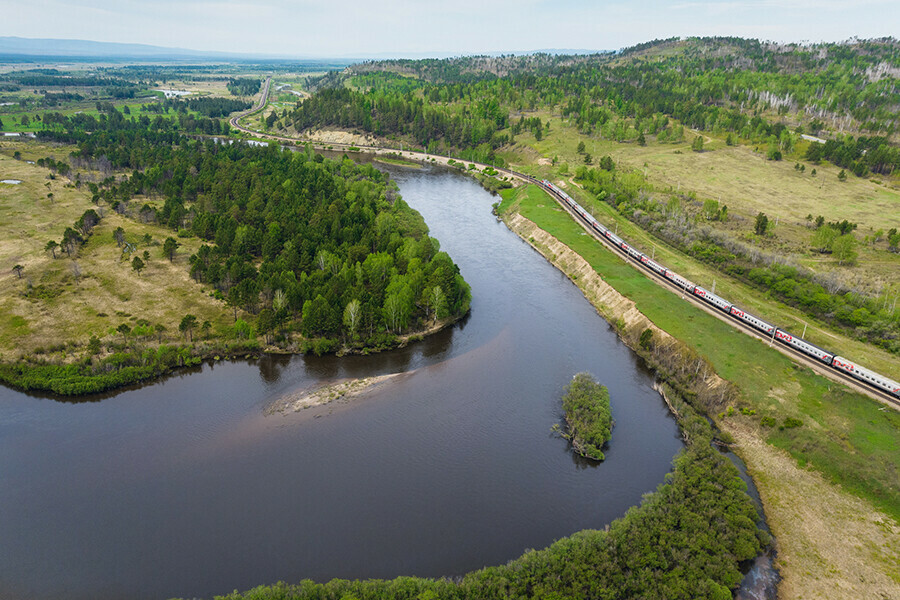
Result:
{"points": [[243, 86]]}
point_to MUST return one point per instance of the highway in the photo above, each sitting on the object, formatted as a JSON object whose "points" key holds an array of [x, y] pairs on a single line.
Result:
{"points": [[261, 103]]}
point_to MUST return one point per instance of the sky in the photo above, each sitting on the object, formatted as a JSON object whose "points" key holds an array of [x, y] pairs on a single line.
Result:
{"points": [[359, 28]]}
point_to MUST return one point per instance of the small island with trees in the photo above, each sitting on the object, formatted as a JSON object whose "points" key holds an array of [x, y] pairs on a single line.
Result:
{"points": [[588, 417]]}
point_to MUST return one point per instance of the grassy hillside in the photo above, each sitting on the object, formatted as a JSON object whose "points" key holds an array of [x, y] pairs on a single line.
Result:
{"points": [[50, 311]]}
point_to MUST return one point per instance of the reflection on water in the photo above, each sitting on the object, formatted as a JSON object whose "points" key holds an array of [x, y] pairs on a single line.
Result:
{"points": [[188, 488]]}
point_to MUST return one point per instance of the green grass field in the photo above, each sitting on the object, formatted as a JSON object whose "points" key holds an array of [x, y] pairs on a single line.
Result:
{"points": [[737, 176], [848, 437]]}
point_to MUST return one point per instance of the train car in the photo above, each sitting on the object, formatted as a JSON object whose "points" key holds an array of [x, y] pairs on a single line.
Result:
{"points": [[633, 253], [600, 228], [871, 377], [655, 266], [615, 239], [681, 281], [711, 298], [752, 320], [803, 346]]}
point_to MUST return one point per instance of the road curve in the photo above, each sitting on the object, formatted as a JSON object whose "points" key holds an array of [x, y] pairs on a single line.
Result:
{"points": [[260, 104], [796, 355]]}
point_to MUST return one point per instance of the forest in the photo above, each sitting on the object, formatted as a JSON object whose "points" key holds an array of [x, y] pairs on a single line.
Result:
{"points": [[709, 84], [294, 243]]}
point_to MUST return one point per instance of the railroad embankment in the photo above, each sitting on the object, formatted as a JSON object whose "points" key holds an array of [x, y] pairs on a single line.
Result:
{"points": [[831, 544]]}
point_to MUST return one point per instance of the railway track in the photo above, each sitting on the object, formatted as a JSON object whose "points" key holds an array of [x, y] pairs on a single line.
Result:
{"points": [[795, 355]]}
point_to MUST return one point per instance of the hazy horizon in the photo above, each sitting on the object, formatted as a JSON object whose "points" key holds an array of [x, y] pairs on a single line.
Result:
{"points": [[354, 28]]}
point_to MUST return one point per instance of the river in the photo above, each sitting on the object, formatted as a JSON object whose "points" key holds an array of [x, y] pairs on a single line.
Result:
{"points": [[186, 487]]}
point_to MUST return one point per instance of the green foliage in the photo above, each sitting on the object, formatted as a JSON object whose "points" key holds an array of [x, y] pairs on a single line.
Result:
{"points": [[697, 144], [646, 339], [187, 325], [137, 264], [315, 233], [94, 346], [589, 420], [116, 370], [823, 238], [844, 249], [210, 106], [761, 225], [792, 423], [246, 86], [169, 248]]}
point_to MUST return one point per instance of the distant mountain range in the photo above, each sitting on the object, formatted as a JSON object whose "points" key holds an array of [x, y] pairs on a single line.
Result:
{"points": [[11, 47], [18, 46]]}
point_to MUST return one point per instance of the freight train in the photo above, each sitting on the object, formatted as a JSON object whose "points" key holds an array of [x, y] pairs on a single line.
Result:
{"points": [[775, 333]]}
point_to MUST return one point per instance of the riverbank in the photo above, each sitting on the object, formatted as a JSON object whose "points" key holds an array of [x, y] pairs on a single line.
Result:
{"points": [[843, 567], [146, 363]]}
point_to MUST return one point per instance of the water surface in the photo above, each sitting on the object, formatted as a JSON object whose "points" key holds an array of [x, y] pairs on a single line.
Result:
{"points": [[186, 487]]}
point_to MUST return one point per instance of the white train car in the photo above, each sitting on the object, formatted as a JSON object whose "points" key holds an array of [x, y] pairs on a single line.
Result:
{"points": [[681, 281], [653, 265], [752, 320], [863, 374], [711, 298], [802, 345]]}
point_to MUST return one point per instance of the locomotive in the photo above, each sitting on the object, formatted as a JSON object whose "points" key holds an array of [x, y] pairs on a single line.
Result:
{"points": [[823, 356]]}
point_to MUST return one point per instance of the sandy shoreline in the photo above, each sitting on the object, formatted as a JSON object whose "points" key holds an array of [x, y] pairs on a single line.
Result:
{"points": [[298, 400]]}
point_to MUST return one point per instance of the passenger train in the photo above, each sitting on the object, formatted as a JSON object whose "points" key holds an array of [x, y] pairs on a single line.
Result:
{"points": [[776, 333]]}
